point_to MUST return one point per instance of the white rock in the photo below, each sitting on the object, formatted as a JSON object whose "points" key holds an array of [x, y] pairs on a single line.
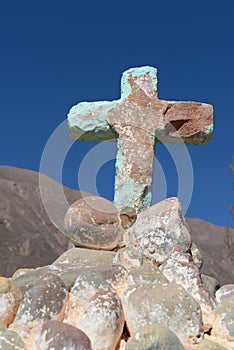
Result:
{"points": [[159, 229]]}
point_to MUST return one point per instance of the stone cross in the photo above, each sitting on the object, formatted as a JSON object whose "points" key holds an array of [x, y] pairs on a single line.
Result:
{"points": [[138, 120]]}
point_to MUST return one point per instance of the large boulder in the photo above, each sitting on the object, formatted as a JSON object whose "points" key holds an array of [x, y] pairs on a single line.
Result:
{"points": [[84, 288], [103, 320], [45, 301], [93, 222], [166, 304], [159, 229], [181, 269]]}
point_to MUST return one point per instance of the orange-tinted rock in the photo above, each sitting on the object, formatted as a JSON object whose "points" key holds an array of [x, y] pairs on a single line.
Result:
{"points": [[10, 298], [93, 222]]}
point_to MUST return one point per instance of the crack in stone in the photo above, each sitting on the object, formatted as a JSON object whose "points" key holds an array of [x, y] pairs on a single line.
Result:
{"points": [[167, 109]]}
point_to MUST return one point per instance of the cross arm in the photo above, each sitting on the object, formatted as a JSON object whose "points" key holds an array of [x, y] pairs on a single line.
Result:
{"points": [[87, 121], [189, 122]]}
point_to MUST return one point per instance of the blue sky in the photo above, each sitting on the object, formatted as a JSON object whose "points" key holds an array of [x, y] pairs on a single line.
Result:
{"points": [[55, 54]]}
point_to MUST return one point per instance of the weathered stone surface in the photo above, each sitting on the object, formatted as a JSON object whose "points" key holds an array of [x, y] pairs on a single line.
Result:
{"points": [[20, 272], [223, 326], [180, 268], [10, 298], [58, 335], [93, 222], [88, 284], [127, 217], [197, 255], [82, 255], [10, 340], [209, 345], [146, 274], [154, 336], [159, 229], [211, 284], [115, 274], [208, 317], [45, 301], [103, 320], [130, 257], [84, 288], [139, 119], [122, 345], [3, 327], [224, 292], [166, 304]]}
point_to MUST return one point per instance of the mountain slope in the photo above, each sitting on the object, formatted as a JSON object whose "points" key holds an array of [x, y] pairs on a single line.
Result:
{"points": [[28, 237], [217, 259]]}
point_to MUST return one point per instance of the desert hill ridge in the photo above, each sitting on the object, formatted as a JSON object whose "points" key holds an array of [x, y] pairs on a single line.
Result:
{"points": [[29, 238]]}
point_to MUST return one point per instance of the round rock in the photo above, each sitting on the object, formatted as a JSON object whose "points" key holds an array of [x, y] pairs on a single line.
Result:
{"points": [[45, 301], [166, 304], [154, 336], [59, 335], [103, 320], [85, 287], [10, 298], [93, 222]]}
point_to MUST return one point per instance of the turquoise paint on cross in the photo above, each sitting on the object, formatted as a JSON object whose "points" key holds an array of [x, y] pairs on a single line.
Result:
{"points": [[138, 120]]}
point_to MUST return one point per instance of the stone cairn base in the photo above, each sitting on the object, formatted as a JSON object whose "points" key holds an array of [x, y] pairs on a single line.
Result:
{"points": [[128, 282]]}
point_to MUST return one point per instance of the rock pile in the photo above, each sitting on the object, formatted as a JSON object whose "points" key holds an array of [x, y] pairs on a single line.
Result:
{"points": [[127, 282]]}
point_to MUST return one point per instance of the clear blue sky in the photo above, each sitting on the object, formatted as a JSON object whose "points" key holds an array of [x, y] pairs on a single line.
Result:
{"points": [[55, 54]]}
